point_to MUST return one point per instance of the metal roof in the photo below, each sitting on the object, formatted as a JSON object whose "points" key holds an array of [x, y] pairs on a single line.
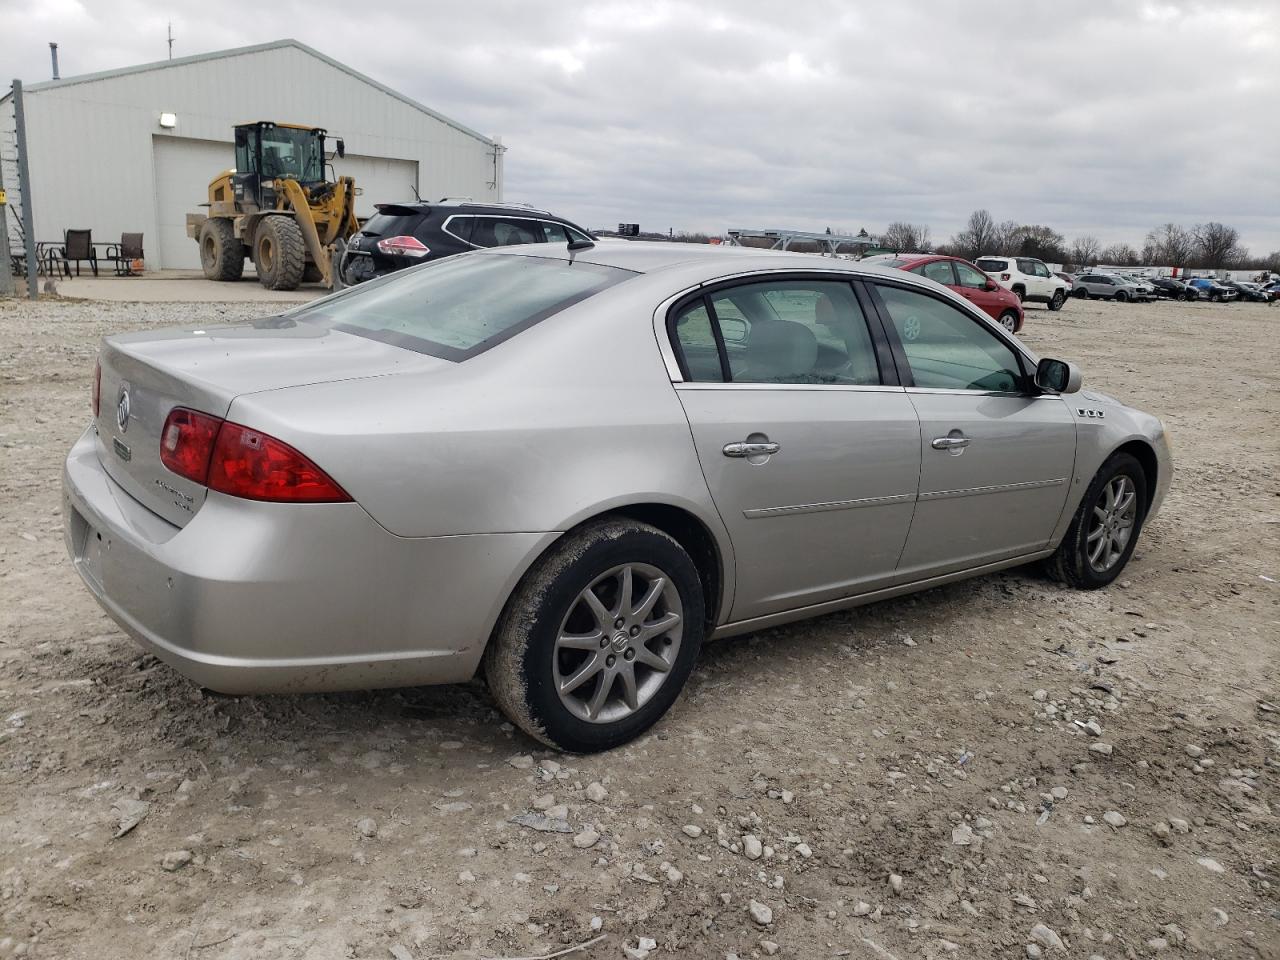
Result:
{"points": [[240, 51]]}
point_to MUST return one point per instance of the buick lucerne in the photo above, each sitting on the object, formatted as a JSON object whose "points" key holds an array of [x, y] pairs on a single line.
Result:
{"points": [[564, 467]]}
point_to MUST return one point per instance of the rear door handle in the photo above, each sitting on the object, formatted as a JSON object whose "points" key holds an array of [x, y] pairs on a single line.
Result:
{"points": [[950, 443], [749, 449]]}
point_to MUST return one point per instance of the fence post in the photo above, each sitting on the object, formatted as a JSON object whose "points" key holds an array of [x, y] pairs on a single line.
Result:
{"points": [[6, 265], [24, 179]]}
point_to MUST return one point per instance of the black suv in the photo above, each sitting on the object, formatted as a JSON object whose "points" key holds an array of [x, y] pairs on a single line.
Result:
{"points": [[403, 234]]}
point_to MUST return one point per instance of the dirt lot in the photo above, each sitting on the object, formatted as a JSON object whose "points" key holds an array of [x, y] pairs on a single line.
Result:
{"points": [[913, 771]]}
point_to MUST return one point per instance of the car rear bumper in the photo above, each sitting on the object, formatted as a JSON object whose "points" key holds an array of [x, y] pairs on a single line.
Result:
{"points": [[254, 597]]}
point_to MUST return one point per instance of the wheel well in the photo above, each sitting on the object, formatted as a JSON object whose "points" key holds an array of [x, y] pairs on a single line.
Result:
{"points": [[692, 534], [1143, 453]]}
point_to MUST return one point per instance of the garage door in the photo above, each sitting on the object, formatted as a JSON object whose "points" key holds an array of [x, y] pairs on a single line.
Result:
{"points": [[183, 170], [379, 179]]}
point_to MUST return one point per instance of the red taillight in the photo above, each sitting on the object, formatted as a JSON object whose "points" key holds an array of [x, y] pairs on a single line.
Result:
{"points": [[1004, 276], [97, 388], [186, 443], [252, 465], [242, 462], [404, 247]]}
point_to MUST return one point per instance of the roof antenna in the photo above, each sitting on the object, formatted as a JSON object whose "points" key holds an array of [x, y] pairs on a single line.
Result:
{"points": [[170, 39], [53, 53], [416, 195]]}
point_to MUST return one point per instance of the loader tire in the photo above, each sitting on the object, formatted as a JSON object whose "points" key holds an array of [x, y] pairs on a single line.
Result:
{"points": [[221, 252], [279, 253]]}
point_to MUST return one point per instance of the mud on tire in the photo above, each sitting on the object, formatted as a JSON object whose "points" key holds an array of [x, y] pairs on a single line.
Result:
{"points": [[549, 635]]}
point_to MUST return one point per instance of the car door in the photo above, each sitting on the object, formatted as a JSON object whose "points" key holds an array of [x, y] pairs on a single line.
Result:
{"points": [[811, 455], [997, 456], [973, 287], [1036, 285]]}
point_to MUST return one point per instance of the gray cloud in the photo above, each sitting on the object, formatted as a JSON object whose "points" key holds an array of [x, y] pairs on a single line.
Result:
{"points": [[710, 114]]}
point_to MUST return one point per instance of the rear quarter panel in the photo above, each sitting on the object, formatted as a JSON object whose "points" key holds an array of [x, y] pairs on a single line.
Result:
{"points": [[572, 417]]}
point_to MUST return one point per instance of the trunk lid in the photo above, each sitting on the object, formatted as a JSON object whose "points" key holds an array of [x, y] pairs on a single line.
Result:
{"points": [[146, 375]]}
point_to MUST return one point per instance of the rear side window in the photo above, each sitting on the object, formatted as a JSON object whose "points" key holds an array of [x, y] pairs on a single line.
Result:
{"points": [[778, 331], [993, 266], [505, 231], [939, 270], [456, 307]]}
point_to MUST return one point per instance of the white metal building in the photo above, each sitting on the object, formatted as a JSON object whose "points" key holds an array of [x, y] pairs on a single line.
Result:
{"points": [[100, 158]]}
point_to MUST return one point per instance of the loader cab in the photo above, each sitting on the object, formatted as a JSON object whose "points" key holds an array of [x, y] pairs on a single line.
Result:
{"points": [[267, 151]]}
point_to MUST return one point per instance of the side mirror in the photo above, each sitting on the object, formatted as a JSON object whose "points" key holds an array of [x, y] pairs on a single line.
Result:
{"points": [[734, 330], [342, 148], [990, 286], [1058, 376]]}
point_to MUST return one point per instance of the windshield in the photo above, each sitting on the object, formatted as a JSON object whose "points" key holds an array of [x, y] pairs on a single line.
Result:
{"points": [[456, 307], [292, 154]]}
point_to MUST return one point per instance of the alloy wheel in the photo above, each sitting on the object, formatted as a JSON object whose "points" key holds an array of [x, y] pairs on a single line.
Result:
{"points": [[618, 643], [1111, 527]]}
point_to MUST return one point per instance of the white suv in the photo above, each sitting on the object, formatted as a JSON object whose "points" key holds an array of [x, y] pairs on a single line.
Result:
{"points": [[1028, 277]]}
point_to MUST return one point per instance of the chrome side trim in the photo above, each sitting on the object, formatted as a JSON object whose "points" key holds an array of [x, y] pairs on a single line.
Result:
{"points": [[997, 488], [788, 387], [761, 512], [831, 606]]}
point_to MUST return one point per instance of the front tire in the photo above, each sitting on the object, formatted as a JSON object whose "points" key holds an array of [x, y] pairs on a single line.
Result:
{"points": [[279, 254], [1106, 526], [1058, 299], [598, 640], [1081, 294], [221, 252], [1121, 297], [1009, 320]]}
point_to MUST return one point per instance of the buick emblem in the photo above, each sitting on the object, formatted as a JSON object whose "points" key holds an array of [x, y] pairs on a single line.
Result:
{"points": [[122, 408]]}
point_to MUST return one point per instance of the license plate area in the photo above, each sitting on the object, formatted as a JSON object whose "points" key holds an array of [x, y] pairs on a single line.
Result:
{"points": [[89, 546]]}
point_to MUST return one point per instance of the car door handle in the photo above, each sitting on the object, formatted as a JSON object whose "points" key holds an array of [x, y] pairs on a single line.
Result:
{"points": [[749, 449], [950, 443]]}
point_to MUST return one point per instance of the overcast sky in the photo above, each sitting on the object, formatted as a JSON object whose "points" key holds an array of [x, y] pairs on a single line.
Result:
{"points": [[1099, 117]]}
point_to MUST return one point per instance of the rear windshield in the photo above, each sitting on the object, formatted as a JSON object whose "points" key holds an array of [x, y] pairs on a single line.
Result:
{"points": [[397, 222], [459, 306], [990, 265]]}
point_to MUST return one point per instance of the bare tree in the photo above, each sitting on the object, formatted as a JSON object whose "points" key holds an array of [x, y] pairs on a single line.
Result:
{"points": [[1084, 251], [1217, 245], [904, 237], [1008, 238], [1119, 255], [1044, 243], [1169, 245], [978, 237]]}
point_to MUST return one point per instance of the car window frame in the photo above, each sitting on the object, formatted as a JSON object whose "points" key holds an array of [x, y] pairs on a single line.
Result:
{"points": [[886, 363], [1027, 386]]}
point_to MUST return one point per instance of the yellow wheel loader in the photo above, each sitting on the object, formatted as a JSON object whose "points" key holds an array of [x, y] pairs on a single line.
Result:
{"points": [[277, 208]]}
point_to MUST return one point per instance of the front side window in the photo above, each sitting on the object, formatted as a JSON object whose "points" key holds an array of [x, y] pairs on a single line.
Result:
{"points": [[459, 306], [970, 277], [778, 331], [948, 349]]}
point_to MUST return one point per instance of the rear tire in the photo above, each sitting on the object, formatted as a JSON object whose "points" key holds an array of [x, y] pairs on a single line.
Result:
{"points": [[571, 618], [1020, 293], [1058, 299], [1080, 560], [279, 253], [221, 252]]}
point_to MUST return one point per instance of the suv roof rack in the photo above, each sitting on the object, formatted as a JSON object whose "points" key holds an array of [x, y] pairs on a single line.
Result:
{"points": [[782, 239]]}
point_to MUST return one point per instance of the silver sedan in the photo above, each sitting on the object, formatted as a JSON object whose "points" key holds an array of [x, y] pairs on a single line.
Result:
{"points": [[566, 469]]}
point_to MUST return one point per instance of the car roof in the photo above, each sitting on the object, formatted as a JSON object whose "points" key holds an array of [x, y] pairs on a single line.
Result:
{"points": [[653, 256]]}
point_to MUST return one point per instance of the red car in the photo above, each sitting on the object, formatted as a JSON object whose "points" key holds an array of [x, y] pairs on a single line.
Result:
{"points": [[967, 280]]}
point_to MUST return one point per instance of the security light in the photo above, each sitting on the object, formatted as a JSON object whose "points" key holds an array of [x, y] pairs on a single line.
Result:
{"points": [[168, 120]]}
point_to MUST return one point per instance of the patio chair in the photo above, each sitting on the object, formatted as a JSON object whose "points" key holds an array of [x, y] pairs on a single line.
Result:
{"points": [[124, 253], [77, 246]]}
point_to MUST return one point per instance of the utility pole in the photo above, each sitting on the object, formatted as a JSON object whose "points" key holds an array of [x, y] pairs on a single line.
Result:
{"points": [[24, 179], [170, 39]]}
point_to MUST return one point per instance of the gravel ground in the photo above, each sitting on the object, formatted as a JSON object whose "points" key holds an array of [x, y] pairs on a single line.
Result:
{"points": [[911, 779]]}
